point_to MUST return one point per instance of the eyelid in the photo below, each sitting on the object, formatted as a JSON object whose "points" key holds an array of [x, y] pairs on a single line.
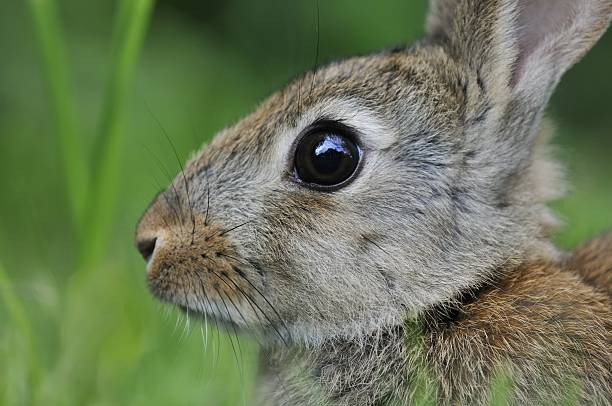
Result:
{"points": [[331, 125], [334, 125], [372, 130]]}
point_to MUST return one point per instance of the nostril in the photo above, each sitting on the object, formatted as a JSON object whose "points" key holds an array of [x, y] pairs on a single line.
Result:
{"points": [[146, 248]]}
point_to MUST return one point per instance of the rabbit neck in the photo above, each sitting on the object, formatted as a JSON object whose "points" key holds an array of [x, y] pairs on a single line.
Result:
{"points": [[387, 366], [348, 371], [517, 324]]}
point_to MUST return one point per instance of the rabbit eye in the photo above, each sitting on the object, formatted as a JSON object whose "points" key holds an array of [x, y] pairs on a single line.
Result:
{"points": [[326, 158]]}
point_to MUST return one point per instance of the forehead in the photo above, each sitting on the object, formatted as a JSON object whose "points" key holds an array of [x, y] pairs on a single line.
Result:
{"points": [[405, 85]]}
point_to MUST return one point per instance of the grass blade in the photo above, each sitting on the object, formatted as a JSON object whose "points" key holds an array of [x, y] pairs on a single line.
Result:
{"points": [[21, 324], [49, 37], [130, 26]]}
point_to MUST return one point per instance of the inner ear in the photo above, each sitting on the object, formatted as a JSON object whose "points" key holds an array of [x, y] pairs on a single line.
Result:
{"points": [[551, 36], [527, 44], [537, 20]]}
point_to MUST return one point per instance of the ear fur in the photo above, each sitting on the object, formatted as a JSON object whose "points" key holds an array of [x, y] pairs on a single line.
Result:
{"points": [[552, 36], [521, 47], [516, 52]]}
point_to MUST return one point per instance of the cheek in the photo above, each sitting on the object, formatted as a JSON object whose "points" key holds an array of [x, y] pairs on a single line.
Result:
{"points": [[323, 265]]}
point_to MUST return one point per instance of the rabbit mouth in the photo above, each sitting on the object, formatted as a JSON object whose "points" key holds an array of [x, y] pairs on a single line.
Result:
{"points": [[196, 296], [217, 298]]}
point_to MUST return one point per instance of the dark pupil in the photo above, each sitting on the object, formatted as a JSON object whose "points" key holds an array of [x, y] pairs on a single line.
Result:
{"points": [[326, 158]]}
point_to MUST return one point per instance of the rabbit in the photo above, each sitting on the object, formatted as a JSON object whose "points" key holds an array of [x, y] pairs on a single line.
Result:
{"points": [[381, 227]]}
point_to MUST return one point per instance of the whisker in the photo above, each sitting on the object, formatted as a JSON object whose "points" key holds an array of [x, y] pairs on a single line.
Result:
{"points": [[230, 318], [206, 328], [178, 321], [186, 322], [241, 363], [229, 298], [206, 377], [187, 326], [251, 303], [241, 315], [165, 171], [203, 290], [164, 132], [316, 63], [243, 276], [280, 319], [207, 196], [204, 336], [233, 228], [163, 214], [180, 163], [194, 136], [299, 85]]}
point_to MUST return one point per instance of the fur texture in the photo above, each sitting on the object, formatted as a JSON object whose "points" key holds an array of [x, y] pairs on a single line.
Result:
{"points": [[539, 326], [433, 270]]}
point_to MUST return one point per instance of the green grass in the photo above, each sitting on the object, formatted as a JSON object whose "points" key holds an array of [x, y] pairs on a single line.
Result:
{"points": [[77, 325], [131, 23], [92, 211], [53, 54], [22, 338]]}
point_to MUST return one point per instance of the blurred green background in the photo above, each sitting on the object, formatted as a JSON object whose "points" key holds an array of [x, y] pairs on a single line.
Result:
{"points": [[82, 86]]}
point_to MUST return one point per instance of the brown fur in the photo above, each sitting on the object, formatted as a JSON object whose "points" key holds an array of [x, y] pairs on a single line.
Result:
{"points": [[593, 262], [193, 255], [540, 318]]}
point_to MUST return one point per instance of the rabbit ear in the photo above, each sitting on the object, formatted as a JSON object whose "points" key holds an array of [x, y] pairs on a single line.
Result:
{"points": [[520, 46]]}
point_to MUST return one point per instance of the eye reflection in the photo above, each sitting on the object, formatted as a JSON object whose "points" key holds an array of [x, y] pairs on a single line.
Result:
{"points": [[326, 158]]}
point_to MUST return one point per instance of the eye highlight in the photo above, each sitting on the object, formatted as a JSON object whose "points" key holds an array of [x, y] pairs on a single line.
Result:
{"points": [[326, 157]]}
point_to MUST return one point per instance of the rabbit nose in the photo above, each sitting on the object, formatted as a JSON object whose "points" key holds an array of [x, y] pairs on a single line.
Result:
{"points": [[146, 247]]}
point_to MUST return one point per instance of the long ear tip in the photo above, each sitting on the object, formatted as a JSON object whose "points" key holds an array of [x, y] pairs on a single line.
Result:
{"points": [[595, 20], [442, 13], [601, 12], [561, 31], [606, 11]]}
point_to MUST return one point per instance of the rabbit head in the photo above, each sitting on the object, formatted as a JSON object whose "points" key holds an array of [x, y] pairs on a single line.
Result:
{"points": [[375, 187]]}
